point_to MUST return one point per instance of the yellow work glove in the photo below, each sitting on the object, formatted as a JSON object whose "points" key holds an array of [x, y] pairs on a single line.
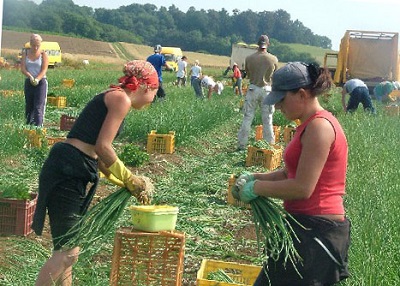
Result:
{"points": [[112, 179], [141, 188], [120, 172]]}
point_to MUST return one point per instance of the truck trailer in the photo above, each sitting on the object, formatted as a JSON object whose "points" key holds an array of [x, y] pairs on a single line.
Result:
{"points": [[367, 55]]}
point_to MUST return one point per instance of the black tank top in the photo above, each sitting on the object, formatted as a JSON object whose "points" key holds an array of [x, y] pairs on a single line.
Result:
{"points": [[88, 124]]}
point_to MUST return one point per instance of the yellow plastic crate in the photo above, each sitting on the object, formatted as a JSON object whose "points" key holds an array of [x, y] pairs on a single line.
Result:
{"points": [[288, 134], [35, 136], [230, 199], [57, 101], [392, 110], [154, 218], [244, 274], [53, 140], [161, 143], [68, 82], [276, 129], [270, 159]]}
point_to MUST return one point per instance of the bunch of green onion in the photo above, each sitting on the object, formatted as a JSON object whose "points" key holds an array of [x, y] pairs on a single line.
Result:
{"points": [[274, 230], [221, 276], [99, 220]]}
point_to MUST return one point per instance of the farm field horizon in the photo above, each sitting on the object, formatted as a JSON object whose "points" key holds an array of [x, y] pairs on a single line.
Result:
{"points": [[195, 177]]}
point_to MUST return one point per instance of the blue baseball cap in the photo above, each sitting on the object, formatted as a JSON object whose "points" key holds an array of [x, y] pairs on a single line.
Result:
{"points": [[292, 76]]}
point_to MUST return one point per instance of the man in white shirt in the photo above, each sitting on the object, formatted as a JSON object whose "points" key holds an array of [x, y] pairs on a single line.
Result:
{"points": [[181, 73]]}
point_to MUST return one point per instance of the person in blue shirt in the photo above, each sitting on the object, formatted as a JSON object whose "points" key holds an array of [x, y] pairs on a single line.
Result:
{"points": [[359, 93], [158, 61]]}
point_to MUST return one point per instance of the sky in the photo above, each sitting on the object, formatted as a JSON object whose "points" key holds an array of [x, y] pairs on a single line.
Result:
{"points": [[325, 18]]}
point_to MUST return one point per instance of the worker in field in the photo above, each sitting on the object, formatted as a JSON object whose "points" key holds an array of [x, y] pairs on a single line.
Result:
{"points": [[237, 76], [181, 74], [383, 89], [158, 61], [259, 68], [209, 84], [195, 72], [311, 183], [69, 176], [359, 93], [34, 65]]}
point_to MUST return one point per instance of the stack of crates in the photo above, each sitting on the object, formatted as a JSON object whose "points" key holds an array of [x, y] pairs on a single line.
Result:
{"points": [[147, 258], [230, 199], [161, 143], [269, 159], [243, 274]]}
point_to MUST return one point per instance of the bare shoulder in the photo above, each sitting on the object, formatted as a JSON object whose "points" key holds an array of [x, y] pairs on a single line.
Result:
{"points": [[320, 130], [116, 98]]}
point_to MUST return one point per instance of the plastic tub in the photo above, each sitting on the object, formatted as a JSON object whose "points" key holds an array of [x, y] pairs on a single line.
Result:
{"points": [[154, 218]]}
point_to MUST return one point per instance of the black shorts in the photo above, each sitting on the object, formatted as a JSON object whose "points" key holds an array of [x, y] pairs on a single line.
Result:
{"points": [[323, 247], [63, 183]]}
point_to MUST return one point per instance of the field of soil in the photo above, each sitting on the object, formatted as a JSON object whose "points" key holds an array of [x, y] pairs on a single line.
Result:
{"points": [[80, 49]]}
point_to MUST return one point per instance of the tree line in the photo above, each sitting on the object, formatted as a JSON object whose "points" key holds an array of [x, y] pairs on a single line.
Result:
{"points": [[208, 31]]}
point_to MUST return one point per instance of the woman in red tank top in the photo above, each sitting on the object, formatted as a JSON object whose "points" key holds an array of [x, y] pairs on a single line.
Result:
{"points": [[311, 184]]}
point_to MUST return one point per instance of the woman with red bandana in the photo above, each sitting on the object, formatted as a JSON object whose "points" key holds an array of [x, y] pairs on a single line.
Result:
{"points": [[74, 164]]}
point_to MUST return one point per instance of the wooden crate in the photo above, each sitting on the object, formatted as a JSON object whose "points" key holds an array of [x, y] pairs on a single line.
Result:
{"points": [[243, 274], [230, 199], [276, 129], [147, 258], [270, 159], [161, 143]]}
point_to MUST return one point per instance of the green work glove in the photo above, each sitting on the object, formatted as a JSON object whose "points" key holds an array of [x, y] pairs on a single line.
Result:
{"points": [[247, 176], [235, 192], [246, 192]]}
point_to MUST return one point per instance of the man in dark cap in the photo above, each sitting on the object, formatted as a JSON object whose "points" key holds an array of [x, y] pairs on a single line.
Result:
{"points": [[259, 68]]}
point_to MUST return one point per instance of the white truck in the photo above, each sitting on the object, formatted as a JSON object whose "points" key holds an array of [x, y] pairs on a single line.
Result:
{"points": [[239, 53]]}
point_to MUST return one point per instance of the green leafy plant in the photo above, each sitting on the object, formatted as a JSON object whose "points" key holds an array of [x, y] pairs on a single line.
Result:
{"points": [[133, 155], [18, 191]]}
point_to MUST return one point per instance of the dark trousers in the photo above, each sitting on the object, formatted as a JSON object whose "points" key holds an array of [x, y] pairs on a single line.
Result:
{"points": [[35, 102], [196, 83], [360, 95]]}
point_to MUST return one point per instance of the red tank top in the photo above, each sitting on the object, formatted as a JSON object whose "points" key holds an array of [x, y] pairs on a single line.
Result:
{"points": [[327, 197]]}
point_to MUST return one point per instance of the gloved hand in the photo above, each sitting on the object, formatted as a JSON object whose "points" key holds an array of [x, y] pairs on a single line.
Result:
{"points": [[246, 191], [112, 179], [141, 188], [120, 172], [247, 176]]}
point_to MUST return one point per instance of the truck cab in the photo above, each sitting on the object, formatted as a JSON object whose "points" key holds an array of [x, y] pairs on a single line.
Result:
{"points": [[52, 49], [172, 56]]}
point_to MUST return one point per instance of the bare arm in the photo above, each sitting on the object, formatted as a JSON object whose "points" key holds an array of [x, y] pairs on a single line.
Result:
{"points": [[45, 64], [316, 141], [118, 105]]}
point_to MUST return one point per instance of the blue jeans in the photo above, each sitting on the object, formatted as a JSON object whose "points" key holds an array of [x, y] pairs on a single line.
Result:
{"points": [[196, 83], [360, 95]]}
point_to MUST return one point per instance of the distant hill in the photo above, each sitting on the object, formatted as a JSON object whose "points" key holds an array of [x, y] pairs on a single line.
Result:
{"points": [[79, 48]]}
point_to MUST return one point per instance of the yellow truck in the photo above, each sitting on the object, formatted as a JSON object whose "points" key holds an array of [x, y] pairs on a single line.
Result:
{"points": [[367, 55], [172, 56], [52, 49]]}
